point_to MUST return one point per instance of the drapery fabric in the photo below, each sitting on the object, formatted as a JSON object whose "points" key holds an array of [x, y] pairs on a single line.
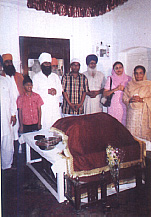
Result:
{"points": [[79, 8], [88, 138]]}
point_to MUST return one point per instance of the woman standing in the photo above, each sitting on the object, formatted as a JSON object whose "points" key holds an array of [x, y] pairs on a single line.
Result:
{"points": [[119, 81], [137, 97]]}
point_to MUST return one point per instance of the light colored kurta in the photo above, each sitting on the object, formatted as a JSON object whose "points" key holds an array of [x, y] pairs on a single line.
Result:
{"points": [[117, 108], [93, 105], [15, 96], [139, 113], [8, 108], [51, 111]]}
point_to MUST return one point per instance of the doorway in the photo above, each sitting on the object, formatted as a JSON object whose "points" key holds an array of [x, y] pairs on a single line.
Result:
{"points": [[32, 47]]}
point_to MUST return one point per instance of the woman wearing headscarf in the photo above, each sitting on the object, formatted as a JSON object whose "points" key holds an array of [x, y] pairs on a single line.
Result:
{"points": [[119, 79], [137, 98]]}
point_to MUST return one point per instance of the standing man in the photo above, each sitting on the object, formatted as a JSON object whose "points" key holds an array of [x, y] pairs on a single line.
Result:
{"points": [[8, 120], [75, 86], [16, 80], [54, 66], [54, 69], [48, 86], [96, 82]]}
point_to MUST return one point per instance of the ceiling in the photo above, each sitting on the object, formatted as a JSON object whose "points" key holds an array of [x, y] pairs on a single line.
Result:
{"points": [[75, 8]]}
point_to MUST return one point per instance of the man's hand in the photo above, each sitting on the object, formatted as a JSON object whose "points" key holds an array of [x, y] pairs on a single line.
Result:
{"points": [[72, 106], [21, 129], [94, 93], [13, 120], [77, 106], [52, 91]]}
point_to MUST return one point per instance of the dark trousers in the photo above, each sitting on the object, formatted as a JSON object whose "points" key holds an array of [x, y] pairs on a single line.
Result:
{"points": [[30, 128]]}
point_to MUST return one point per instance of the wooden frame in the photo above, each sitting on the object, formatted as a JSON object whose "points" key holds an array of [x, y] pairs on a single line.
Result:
{"points": [[32, 47], [73, 189]]}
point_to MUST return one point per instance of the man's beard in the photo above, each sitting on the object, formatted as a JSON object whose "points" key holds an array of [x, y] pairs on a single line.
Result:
{"points": [[92, 72], [46, 69], [9, 70]]}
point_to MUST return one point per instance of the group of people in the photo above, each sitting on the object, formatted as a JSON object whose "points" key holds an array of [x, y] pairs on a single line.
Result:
{"points": [[30, 105]]}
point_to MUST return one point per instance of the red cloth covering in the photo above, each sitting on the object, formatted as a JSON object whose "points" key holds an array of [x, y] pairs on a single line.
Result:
{"points": [[88, 137]]}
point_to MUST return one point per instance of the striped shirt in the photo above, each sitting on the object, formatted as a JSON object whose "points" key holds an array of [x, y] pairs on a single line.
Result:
{"points": [[74, 87]]}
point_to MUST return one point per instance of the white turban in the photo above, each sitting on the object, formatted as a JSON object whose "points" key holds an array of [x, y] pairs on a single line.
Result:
{"points": [[75, 60], [44, 57]]}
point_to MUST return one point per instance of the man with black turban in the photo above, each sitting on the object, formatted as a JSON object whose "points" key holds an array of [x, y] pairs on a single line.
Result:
{"points": [[96, 81]]}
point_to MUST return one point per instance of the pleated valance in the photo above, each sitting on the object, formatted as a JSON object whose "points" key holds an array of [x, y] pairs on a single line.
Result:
{"points": [[75, 8]]}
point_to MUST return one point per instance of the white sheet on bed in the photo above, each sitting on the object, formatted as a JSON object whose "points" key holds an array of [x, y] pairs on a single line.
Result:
{"points": [[53, 156]]}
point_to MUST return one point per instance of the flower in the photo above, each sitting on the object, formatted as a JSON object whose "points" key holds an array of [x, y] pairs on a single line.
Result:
{"points": [[112, 156]]}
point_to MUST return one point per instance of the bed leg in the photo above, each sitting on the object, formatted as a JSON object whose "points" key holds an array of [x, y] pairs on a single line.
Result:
{"points": [[77, 195], [103, 189], [138, 172]]}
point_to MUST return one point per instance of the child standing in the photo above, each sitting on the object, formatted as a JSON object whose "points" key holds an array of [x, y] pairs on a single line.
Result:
{"points": [[29, 106]]}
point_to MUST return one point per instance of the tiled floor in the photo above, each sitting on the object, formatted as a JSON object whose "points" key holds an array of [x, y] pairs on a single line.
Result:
{"points": [[23, 195]]}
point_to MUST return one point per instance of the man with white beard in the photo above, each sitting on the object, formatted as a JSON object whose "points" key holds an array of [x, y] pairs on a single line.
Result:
{"points": [[96, 81]]}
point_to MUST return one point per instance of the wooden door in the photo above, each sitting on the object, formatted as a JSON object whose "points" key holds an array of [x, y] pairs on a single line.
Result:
{"points": [[32, 47]]}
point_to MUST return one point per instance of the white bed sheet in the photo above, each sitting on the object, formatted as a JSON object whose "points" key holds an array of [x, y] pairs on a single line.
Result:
{"points": [[53, 156]]}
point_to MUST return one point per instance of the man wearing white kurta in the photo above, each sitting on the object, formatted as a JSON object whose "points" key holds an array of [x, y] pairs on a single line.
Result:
{"points": [[16, 80], [48, 86], [8, 119], [96, 81]]}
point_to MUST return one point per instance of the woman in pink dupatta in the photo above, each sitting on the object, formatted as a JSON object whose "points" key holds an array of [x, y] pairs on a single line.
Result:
{"points": [[119, 81]]}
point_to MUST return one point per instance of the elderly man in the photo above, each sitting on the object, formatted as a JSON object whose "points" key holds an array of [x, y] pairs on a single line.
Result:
{"points": [[48, 86], [75, 86], [96, 82]]}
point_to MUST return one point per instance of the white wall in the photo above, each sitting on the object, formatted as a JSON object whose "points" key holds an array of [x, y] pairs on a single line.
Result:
{"points": [[131, 34], [20, 21], [125, 27], [102, 31], [131, 26]]}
